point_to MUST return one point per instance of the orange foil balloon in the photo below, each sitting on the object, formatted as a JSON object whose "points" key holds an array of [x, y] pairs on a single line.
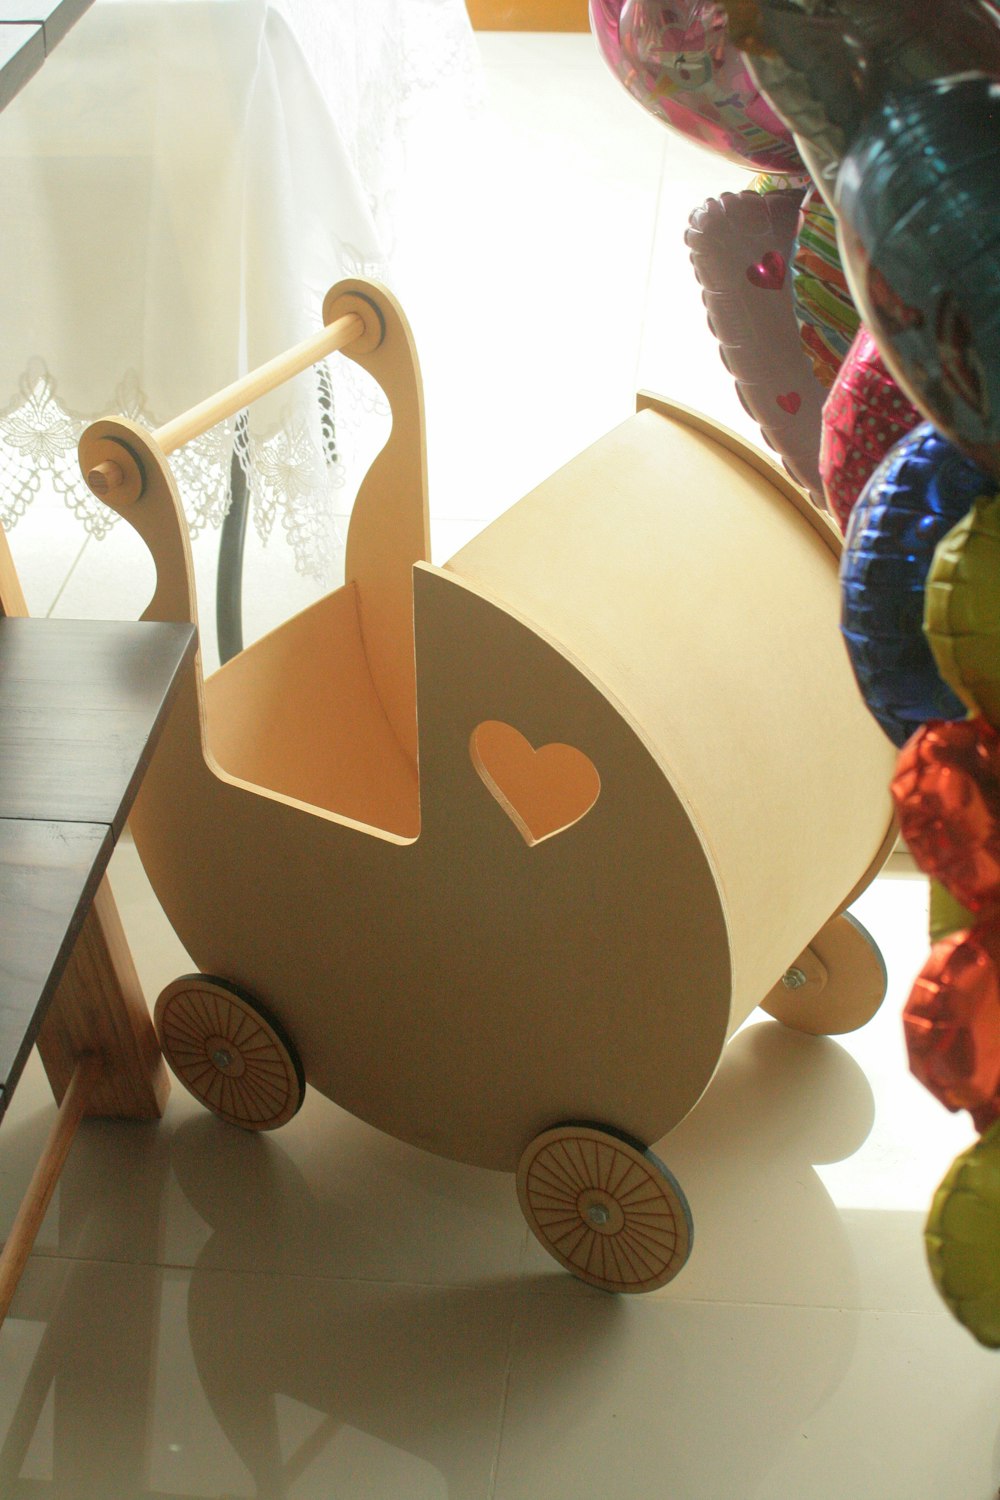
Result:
{"points": [[952, 1023], [947, 794]]}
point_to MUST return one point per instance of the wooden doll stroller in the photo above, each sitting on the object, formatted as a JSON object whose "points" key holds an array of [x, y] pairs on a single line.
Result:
{"points": [[498, 855]]}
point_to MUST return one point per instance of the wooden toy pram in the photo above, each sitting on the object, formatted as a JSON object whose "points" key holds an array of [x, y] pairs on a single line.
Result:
{"points": [[498, 855]]}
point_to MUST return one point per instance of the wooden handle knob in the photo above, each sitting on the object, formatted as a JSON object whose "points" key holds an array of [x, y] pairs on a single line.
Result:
{"points": [[105, 478]]}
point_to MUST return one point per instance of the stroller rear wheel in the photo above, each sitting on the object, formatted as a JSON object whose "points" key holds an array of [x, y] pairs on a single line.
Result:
{"points": [[228, 1052], [835, 985], [605, 1207]]}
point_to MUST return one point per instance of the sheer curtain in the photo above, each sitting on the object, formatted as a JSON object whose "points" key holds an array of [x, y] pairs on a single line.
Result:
{"points": [[181, 183]]}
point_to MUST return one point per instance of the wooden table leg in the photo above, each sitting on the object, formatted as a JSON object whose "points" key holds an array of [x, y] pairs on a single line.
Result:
{"points": [[100, 1007]]}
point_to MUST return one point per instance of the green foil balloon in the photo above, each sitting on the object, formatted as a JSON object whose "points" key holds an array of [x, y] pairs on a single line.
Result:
{"points": [[962, 609], [963, 1238], [947, 915]]}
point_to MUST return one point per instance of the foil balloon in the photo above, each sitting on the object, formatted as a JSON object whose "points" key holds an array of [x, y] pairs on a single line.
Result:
{"points": [[914, 497], [962, 1237], [916, 200], [952, 1023], [824, 307], [946, 915], [741, 247], [864, 416], [962, 608], [676, 59], [826, 65], [604, 16], [947, 794]]}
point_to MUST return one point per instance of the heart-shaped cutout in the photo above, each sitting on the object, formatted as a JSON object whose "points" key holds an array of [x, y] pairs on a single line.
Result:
{"points": [[769, 272], [543, 791], [790, 402]]}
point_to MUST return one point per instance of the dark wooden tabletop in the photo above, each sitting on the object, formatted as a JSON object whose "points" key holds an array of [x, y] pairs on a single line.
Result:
{"points": [[28, 32], [81, 707], [78, 702]]}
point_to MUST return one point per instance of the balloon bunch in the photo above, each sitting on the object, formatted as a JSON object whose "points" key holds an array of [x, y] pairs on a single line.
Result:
{"points": [[856, 300], [895, 109]]}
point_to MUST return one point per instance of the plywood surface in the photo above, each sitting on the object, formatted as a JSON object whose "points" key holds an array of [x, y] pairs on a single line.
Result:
{"points": [[707, 607]]}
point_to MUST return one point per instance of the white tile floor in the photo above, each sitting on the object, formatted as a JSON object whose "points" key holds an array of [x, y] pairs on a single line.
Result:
{"points": [[327, 1313]]}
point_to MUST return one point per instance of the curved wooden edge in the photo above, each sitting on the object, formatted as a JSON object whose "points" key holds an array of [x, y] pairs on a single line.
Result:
{"points": [[820, 523], [148, 499], [880, 860], [675, 411], [389, 531]]}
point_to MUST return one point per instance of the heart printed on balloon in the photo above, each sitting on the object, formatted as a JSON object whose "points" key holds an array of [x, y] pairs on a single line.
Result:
{"points": [[769, 272]]}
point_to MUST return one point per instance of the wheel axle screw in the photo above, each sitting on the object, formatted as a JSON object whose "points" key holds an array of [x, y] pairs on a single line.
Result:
{"points": [[222, 1058], [794, 979], [598, 1214]]}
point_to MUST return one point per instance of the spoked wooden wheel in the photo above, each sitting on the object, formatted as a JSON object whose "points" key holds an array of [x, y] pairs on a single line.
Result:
{"points": [[229, 1053], [834, 986], [605, 1208]]}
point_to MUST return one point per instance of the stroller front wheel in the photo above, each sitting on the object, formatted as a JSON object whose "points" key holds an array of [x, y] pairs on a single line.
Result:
{"points": [[228, 1052], [605, 1207]]}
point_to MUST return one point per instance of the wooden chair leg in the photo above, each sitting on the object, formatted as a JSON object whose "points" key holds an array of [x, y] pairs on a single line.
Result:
{"points": [[36, 1200]]}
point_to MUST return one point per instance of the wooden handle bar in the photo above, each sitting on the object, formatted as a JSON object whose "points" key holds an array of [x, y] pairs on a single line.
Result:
{"points": [[46, 1175], [233, 398]]}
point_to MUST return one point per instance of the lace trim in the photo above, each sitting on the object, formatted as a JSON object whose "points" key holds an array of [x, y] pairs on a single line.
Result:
{"points": [[292, 472]]}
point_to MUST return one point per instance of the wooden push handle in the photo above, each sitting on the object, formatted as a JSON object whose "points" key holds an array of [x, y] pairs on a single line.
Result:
{"points": [[233, 398], [40, 1189]]}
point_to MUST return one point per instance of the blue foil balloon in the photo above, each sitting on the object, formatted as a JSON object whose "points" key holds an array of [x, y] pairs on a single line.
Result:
{"points": [[922, 488], [917, 200]]}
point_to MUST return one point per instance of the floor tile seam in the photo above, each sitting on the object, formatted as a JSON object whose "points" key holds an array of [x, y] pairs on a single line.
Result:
{"points": [[65, 583], [508, 1371], [268, 1273], [409, 1283], [869, 1309]]}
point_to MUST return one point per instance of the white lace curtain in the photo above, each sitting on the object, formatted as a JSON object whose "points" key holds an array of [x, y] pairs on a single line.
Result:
{"points": [[181, 183]]}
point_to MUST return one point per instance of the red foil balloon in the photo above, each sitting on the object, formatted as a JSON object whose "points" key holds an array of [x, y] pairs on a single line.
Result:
{"points": [[947, 794], [952, 1023], [676, 58], [864, 416]]}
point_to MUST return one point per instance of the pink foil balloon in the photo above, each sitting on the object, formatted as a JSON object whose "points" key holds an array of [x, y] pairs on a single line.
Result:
{"points": [[864, 416], [741, 248], [604, 17], [676, 58]]}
